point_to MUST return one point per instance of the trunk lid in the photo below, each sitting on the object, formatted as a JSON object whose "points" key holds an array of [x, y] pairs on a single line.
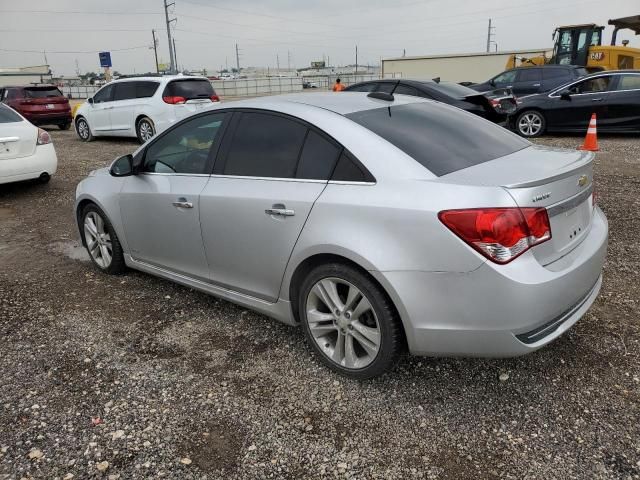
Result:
{"points": [[559, 180], [17, 139]]}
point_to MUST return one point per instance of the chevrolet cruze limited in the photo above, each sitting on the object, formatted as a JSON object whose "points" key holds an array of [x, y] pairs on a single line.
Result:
{"points": [[376, 222]]}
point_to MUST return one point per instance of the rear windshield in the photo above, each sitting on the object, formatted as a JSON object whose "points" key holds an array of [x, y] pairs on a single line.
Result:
{"points": [[8, 116], [442, 138], [189, 89], [42, 92], [454, 90]]}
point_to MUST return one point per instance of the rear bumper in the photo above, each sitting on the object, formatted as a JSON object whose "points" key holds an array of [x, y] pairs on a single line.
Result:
{"points": [[499, 310], [56, 118], [43, 160]]}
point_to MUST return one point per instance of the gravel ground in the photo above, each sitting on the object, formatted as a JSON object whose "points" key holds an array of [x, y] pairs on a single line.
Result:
{"points": [[134, 377]]}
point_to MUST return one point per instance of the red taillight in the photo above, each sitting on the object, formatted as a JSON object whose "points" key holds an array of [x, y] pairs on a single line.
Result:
{"points": [[43, 137], [172, 100], [500, 234], [215, 98]]}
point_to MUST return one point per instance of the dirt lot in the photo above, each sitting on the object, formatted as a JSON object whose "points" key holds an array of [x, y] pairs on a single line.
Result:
{"points": [[134, 377]]}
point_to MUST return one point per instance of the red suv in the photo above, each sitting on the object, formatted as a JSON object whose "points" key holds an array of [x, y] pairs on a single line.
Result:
{"points": [[41, 105]]}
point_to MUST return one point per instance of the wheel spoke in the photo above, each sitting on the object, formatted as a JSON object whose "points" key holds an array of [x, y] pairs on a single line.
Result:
{"points": [[352, 297], [350, 357], [327, 292], [320, 323], [99, 224], [338, 350], [90, 226], [367, 337], [106, 256], [362, 307]]}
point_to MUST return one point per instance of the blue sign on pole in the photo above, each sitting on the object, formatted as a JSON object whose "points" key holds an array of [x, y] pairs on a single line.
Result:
{"points": [[105, 59]]}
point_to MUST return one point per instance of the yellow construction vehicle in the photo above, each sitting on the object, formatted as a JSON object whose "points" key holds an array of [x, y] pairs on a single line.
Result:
{"points": [[582, 45]]}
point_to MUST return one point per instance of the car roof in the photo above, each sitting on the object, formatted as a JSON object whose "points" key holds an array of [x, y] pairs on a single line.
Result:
{"points": [[341, 103], [162, 78]]}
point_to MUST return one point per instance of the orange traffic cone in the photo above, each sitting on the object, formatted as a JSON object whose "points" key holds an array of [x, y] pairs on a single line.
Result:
{"points": [[591, 140]]}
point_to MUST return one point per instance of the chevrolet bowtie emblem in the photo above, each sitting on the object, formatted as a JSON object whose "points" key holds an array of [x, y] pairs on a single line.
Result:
{"points": [[582, 181]]}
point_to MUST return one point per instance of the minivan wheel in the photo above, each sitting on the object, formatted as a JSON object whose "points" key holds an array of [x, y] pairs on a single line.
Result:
{"points": [[101, 241], [83, 130], [530, 124], [349, 321], [145, 130]]}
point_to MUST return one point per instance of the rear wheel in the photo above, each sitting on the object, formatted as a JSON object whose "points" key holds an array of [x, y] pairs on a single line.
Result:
{"points": [[145, 129], [83, 130], [531, 123], [349, 321], [101, 241], [65, 126]]}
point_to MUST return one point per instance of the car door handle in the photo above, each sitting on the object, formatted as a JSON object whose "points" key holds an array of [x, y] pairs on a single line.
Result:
{"points": [[182, 203], [597, 99], [280, 210], [536, 84]]}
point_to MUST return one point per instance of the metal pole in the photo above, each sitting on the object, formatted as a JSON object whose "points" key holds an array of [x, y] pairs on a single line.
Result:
{"points": [[237, 59], [155, 49], [489, 35], [278, 63], [356, 71], [175, 54], [172, 62]]}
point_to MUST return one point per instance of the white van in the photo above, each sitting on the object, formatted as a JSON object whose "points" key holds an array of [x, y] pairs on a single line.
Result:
{"points": [[142, 106]]}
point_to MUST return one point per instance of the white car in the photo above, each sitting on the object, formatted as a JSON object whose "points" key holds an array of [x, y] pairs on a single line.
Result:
{"points": [[142, 107], [26, 151]]}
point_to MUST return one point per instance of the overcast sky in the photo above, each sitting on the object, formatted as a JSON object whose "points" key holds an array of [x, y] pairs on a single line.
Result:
{"points": [[207, 30]]}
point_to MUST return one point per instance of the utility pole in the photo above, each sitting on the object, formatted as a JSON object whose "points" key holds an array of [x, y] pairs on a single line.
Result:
{"points": [[278, 63], [175, 54], [489, 35], [356, 70], [237, 58], [172, 60], [155, 49], [288, 61]]}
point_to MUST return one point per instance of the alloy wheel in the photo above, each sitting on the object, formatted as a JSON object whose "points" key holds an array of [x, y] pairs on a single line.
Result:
{"points": [[146, 130], [343, 323], [530, 124], [98, 240], [83, 129]]}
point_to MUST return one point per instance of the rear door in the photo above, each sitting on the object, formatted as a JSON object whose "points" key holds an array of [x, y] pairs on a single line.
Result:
{"points": [[273, 169], [528, 81], [160, 206], [624, 103], [554, 77]]}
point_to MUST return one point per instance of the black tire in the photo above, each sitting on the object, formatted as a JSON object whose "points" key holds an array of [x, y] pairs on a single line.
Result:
{"points": [[144, 125], [388, 322], [44, 178], [117, 265], [533, 128], [83, 130], [65, 126]]}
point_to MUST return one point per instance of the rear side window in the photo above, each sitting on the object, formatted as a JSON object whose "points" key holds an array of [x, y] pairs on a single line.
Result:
{"points": [[628, 82], [441, 138], [8, 116], [124, 91], [318, 158], [265, 145], [386, 87], [406, 90], [530, 75], [349, 169], [40, 92], [146, 89], [189, 89]]}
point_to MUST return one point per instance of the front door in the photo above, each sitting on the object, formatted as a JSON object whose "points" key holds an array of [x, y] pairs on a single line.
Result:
{"points": [[160, 206], [585, 98], [257, 202], [100, 111], [124, 106]]}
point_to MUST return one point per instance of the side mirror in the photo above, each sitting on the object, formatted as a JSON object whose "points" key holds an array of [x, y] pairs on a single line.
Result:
{"points": [[90, 100], [565, 95], [122, 167]]}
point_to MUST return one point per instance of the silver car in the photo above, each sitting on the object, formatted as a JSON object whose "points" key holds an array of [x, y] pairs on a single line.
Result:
{"points": [[377, 223]]}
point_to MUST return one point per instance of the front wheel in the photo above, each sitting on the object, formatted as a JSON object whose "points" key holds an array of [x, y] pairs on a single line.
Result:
{"points": [[349, 321], [83, 130], [530, 124], [101, 241], [145, 130], [65, 126]]}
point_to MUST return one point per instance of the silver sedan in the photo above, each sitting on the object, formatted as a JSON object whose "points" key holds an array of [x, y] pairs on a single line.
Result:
{"points": [[377, 223]]}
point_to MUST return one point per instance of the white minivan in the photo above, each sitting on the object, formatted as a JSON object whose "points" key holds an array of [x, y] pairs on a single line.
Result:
{"points": [[142, 106]]}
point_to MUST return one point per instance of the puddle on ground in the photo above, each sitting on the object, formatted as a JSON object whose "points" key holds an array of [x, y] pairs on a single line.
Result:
{"points": [[72, 249]]}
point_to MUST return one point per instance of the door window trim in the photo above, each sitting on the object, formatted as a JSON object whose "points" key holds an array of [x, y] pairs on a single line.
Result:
{"points": [[613, 76]]}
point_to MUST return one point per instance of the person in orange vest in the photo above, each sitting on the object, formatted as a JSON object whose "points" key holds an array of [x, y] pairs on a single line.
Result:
{"points": [[338, 87]]}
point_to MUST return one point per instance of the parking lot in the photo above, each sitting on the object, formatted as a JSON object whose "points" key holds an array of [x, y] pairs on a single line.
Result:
{"points": [[135, 377]]}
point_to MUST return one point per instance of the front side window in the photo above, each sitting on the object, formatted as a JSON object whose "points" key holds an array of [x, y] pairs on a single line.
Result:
{"points": [[185, 148], [593, 85], [506, 78], [265, 145], [124, 91], [103, 95], [442, 138]]}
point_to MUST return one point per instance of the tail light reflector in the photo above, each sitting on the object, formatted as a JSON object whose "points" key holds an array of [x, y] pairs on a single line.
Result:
{"points": [[500, 234], [173, 100], [43, 137]]}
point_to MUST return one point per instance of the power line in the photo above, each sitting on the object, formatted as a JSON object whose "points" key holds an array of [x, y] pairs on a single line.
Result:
{"points": [[72, 12]]}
